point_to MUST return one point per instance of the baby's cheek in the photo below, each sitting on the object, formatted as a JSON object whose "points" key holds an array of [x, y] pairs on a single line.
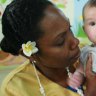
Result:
{"points": [[92, 35]]}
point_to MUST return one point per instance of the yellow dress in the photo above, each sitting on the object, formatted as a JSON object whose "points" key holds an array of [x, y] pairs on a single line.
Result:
{"points": [[23, 82]]}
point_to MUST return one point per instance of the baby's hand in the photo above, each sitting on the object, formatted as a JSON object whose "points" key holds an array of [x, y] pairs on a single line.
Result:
{"points": [[76, 79]]}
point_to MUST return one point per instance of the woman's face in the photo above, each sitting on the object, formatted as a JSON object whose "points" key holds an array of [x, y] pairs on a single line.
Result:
{"points": [[90, 23], [58, 47]]}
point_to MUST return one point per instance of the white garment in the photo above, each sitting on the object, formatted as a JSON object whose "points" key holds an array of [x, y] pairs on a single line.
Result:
{"points": [[85, 51]]}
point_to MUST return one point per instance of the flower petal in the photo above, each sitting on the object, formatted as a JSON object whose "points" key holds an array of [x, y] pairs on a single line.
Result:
{"points": [[29, 48], [33, 43], [35, 50]]}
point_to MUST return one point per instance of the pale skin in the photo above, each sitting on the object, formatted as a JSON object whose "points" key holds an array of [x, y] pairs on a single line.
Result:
{"points": [[90, 23], [59, 49]]}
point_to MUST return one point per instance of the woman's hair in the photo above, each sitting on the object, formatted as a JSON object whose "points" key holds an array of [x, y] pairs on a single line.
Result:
{"points": [[20, 23]]}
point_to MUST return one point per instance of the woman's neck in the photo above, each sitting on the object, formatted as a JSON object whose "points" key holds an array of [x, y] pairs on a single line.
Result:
{"points": [[59, 75]]}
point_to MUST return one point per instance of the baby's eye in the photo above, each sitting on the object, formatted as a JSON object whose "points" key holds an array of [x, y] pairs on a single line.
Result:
{"points": [[92, 23]]}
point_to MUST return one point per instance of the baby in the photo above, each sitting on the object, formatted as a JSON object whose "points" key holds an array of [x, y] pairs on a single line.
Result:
{"points": [[89, 19]]}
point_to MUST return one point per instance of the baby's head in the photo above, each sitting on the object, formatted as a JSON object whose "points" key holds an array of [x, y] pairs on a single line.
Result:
{"points": [[89, 19]]}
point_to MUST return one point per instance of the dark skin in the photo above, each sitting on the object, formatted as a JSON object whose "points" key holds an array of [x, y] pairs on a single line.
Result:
{"points": [[90, 79], [59, 49], [57, 46]]}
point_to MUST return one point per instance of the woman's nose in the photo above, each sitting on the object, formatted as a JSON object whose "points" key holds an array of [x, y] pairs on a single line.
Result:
{"points": [[74, 43]]}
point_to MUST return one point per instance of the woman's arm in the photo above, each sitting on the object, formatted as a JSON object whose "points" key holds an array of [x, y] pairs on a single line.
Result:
{"points": [[90, 79]]}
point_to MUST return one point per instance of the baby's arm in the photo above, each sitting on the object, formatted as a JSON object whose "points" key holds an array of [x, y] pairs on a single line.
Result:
{"points": [[76, 79]]}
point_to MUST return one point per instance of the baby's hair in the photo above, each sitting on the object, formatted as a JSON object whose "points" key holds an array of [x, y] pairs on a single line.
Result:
{"points": [[21, 23], [90, 3]]}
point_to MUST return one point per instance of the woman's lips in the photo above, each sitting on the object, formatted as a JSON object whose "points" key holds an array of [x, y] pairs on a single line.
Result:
{"points": [[76, 56]]}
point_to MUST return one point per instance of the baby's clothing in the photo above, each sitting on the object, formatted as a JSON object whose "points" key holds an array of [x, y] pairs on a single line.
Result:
{"points": [[85, 51]]}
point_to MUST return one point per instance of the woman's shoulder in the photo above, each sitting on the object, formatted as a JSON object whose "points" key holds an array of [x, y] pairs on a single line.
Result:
{"points": [[17, 70], [14, 74]]}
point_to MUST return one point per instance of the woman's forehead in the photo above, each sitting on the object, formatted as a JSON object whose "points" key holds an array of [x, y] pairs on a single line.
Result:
{"points": [[54, 24], [53, 19]]}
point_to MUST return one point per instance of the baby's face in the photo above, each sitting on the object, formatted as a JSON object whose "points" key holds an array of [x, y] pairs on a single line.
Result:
{"points": [[90, 23]]}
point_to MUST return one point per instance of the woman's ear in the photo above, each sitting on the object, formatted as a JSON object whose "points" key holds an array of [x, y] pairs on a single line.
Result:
{"points": [[33, 57], [21, 53]]}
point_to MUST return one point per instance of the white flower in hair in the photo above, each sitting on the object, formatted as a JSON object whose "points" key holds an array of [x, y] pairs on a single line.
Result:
{"points": [[29, 48]]}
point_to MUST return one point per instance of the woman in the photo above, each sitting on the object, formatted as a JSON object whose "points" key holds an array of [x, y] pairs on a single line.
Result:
{"points": [[41, 32]]}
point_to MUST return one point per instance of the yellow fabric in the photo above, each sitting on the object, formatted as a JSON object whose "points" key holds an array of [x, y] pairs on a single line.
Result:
{"points": [[23, 82], [9, 62]]}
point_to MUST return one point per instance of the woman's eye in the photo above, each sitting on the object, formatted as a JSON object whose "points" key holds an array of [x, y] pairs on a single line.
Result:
{"points": [[92, 23], [61, 40], [60, 43]]}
